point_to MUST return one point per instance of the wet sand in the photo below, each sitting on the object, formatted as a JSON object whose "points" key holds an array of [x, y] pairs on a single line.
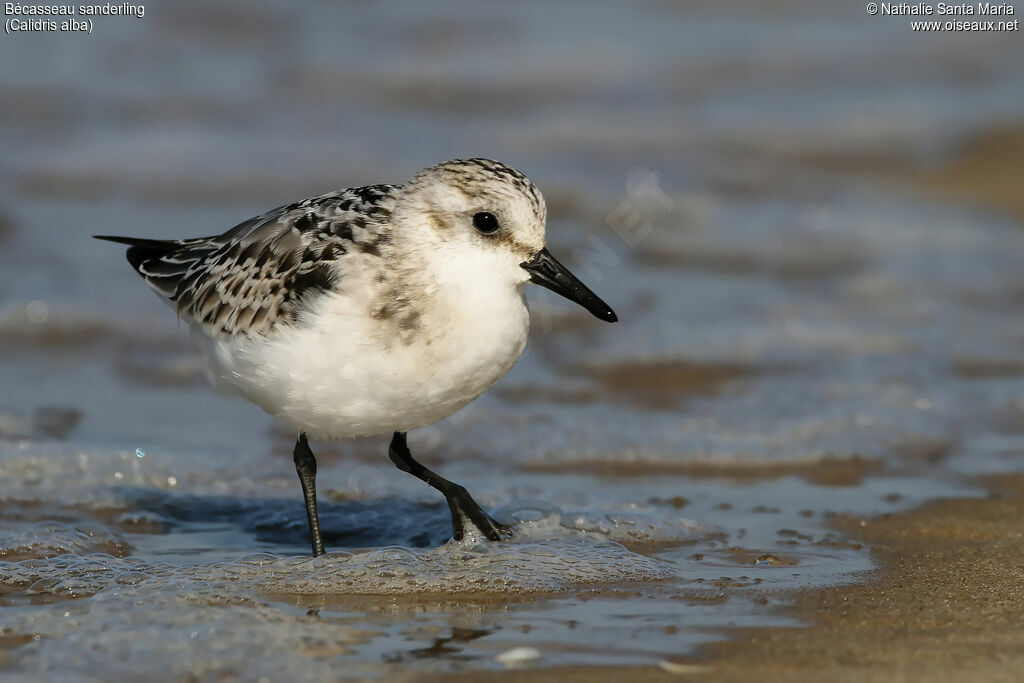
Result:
{"points": [[987, 170], [946, 605], [983, 170]]}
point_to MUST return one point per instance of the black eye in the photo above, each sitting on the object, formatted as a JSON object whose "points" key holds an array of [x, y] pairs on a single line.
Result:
{"points": [[485, 222]]}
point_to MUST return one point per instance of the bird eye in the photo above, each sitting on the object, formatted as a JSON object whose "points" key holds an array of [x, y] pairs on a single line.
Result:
{"points": [[485, 222]]}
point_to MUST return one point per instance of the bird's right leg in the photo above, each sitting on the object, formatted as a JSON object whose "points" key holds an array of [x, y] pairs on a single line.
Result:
{"points": [[305, 465], [459, 501]]}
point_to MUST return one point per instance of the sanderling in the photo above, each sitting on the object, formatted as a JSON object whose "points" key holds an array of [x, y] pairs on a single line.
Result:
{"points": [[370, 310]]}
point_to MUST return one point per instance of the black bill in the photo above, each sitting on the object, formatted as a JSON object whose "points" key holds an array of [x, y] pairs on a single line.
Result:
{"points": [[546, 271]]}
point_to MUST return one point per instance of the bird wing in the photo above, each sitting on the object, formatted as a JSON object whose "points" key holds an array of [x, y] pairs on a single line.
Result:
{"points": [[256, 275]]}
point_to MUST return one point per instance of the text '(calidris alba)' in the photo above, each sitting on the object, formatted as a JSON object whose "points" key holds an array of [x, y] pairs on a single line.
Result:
{"points": [[370, 310]]}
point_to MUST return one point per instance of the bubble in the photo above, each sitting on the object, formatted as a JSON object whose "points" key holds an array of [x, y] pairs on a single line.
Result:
{"points": [[527, 511], [31, 546], [37, 312], [139, 453]]}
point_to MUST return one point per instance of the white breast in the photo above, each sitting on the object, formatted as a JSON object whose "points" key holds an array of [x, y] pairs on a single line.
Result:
{"points": [[335, 376]]}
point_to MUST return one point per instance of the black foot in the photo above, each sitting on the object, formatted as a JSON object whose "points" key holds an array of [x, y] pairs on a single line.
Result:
{"points": [[460, 502], [305, 465], [462, 506]]}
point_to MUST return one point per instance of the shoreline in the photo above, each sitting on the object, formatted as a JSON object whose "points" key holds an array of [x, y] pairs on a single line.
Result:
{"points": [[945, 604]]}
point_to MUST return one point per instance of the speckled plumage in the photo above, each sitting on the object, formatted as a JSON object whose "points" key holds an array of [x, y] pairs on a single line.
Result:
{"points": [[255, 276], [370, 310], [365, 310]]}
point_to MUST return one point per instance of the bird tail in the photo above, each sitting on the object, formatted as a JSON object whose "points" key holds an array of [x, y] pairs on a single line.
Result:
{"points": [[141, 250]]}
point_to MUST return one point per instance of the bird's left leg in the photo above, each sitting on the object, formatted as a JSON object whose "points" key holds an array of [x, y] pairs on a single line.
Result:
{"points": [[459, 501], [305, 465]]}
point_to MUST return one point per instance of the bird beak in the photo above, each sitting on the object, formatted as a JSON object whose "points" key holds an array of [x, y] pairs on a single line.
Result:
{"points": [[547, 272]]}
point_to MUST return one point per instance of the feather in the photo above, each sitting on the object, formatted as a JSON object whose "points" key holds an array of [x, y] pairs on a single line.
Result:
{"points": [[260, 273]]}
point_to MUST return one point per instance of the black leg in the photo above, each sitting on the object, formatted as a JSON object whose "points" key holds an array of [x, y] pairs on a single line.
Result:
{"points": [[459, 501], [305, 465]]}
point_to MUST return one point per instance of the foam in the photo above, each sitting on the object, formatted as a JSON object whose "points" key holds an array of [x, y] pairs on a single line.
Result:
{"points": [[470, 566], [50, 539], [217, 619], [222, 619], [128, 636]]}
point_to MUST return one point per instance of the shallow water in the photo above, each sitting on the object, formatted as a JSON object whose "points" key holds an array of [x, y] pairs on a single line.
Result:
{"points": [[795, 344]]}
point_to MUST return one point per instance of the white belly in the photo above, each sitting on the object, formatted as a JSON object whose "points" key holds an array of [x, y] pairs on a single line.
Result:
{"points": [[338, 378]]}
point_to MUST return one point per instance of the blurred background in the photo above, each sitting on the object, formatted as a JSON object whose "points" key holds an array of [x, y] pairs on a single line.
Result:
{"points": [[808, 219]]}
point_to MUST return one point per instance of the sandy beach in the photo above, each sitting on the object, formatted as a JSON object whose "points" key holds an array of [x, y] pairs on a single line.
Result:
{"points": [[944, 605]]}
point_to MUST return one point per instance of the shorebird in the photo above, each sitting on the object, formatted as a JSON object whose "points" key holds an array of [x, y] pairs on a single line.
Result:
{"points": [[369, 310]]}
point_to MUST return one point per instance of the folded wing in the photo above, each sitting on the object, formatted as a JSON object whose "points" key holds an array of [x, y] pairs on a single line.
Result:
{"points": [[258, 275]]}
